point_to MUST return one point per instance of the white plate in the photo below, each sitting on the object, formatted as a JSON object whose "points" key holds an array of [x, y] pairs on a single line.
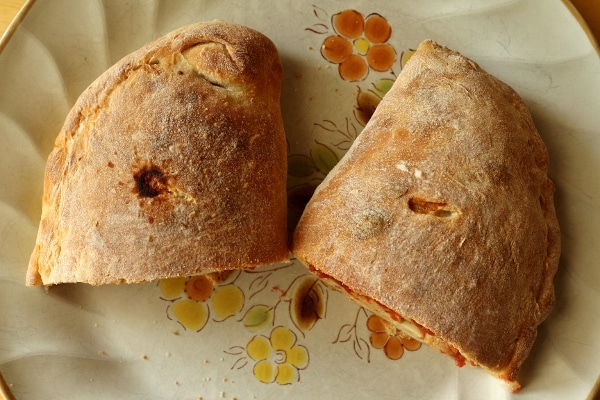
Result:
{"points": [[76, 341]]}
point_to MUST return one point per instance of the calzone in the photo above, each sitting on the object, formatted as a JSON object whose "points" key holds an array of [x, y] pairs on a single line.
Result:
{"points": [[440, 217], [172, 163]]}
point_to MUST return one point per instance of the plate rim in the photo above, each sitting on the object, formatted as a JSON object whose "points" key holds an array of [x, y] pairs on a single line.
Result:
{"points": [[582, 23], [15, 23], [22, 13]]}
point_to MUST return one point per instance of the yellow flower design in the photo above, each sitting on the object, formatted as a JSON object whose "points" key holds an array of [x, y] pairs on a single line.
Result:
{"points": [[278, 357], [359, 44], [193, 298], [391, 340]]}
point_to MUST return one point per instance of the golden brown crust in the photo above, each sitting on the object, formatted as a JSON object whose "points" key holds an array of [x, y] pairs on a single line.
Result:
{"points": [[442, 211], [173, 162]]}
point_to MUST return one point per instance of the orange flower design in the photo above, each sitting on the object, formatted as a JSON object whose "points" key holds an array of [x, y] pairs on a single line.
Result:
{"points": [[391, 340], [359, 44]]}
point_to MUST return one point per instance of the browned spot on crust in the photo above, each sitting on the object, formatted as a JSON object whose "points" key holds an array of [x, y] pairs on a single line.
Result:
{"points": [[150, 181]]}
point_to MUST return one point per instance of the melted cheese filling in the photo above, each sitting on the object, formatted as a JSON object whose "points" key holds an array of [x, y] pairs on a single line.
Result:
{"points": [[405, 325]]}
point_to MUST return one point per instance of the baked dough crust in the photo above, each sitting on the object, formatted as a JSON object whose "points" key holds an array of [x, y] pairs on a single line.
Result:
{"points": [[172, 163], [442, 213]]}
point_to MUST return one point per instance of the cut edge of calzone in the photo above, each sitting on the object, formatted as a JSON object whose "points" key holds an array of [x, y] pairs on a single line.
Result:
{"points": [[172, 163], [440, 218]]}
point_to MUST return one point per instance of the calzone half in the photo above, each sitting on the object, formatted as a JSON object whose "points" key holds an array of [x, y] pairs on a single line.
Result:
{"points": [[172, 163], [440, 217]]}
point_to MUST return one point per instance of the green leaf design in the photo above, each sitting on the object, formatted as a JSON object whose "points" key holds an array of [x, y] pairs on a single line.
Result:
{"points": [[366, 103], [258, 317], [324, 158], [300, 166], [309, 303], [383, 86]]}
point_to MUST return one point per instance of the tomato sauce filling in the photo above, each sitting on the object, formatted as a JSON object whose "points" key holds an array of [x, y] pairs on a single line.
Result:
{"points": [[451, 351]]}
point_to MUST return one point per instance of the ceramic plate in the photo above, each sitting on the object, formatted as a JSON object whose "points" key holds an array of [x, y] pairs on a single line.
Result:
{"points": [[277, 332]]}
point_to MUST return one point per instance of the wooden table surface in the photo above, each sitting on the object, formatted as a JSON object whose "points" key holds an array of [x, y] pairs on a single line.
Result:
{"points": [[8, 10], [589, 10]]}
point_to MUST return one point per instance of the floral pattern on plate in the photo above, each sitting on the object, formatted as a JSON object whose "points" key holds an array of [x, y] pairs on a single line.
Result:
{"points": [[256, 299]]}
